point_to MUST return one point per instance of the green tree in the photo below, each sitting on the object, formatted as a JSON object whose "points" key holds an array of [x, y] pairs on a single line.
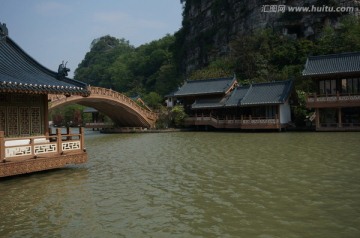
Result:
{"points": [[220, 68], [178, 116], [153, 100], [103, 52], [345, 38]]}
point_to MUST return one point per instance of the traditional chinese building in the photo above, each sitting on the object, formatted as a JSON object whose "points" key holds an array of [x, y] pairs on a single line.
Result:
{"points": [[208, 89], [256, 106], [336, 99], [26, 143]]}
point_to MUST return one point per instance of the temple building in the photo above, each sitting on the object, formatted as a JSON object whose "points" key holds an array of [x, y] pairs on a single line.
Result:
{"points": [[223, 104], [336, 98], [26, 143]]}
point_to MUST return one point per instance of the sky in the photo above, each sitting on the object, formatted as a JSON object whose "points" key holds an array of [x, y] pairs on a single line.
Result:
{"points": [[52, 31]]}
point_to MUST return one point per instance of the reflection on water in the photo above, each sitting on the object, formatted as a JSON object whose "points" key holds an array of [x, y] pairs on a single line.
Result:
{"points": [[194, 185]]}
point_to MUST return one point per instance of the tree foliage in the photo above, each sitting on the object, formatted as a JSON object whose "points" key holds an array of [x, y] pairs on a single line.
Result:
{"points": [[266, 55], [114, 63], [94, 69], [71, 115], [345, 38], [158, 67]]}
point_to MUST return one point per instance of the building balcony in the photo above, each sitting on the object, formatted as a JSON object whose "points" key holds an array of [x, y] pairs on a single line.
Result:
{"points": [[30, 154], [331, 101], [234, 122]]}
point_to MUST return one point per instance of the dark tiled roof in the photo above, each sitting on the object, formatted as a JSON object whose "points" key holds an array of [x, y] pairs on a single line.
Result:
{"points": [[21, 73], [332, 64], [208, 103], [251, 95], [265, 93], [237, 95], [208, 86]]}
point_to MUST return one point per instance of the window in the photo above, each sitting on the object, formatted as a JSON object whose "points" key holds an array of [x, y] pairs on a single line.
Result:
{"points": [[271, 111], [21, 115], [322, 87], [333, 87], [350, 85], [344, 86], [356, 85], [328, 87]]}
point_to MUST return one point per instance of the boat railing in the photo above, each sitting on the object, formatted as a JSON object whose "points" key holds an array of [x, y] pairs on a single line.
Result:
{"points": [[58, 143]]}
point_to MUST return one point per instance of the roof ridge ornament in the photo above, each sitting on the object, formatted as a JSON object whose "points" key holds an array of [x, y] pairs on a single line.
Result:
{"points": [[3, 30], [62, 71]]}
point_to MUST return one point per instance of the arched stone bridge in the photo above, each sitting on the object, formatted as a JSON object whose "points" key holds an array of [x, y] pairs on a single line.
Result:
{"points": [[121, 109]]}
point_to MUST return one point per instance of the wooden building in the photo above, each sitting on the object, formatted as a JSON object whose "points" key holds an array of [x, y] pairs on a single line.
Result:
{"points": [[256, 106], [208, 89], [26, 143], [336, 100]]}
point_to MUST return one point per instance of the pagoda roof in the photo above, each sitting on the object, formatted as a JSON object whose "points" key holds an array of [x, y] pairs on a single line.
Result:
{"points": [[20, 73], [205, 87], [333, 64]]}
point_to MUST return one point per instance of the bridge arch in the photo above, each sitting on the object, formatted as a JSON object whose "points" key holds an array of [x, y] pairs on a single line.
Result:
{"points": [[120, 108]]}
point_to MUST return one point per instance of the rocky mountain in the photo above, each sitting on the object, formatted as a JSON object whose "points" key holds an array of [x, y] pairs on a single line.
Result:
{"points": [[209, 26]]}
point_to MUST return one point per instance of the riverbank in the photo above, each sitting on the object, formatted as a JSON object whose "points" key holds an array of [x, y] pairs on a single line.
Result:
{"points": [[141, 130], [196, 129]]}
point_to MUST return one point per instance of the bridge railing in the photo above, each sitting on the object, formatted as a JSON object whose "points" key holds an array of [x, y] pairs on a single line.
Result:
{"points": [[113, 94], [122, 97]]}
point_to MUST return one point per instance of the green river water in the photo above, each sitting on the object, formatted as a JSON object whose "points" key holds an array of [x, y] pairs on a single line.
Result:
{"points": [[194, 184]]}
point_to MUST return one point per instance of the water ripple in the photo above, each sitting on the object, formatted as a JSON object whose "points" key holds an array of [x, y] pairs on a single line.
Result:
{"points": [[194, 185]]}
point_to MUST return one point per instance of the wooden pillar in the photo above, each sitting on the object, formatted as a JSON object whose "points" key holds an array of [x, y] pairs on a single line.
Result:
{"points": [[82, 139], [59, 140], [68, 132], [46, 115], [339, 117], [32, 143], [278, 114], [317, 118], [2, 146]]}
